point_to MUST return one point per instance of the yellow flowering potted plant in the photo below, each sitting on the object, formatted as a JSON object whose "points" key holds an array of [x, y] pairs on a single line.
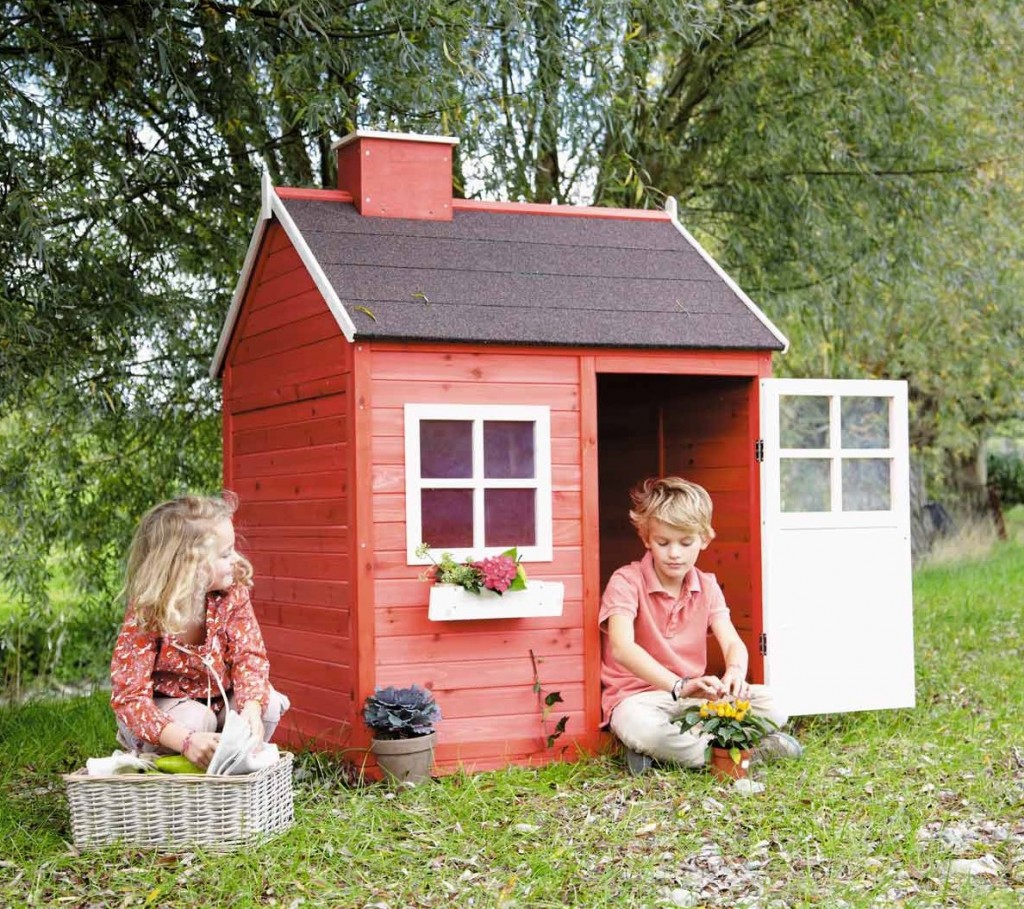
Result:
{"points": [[733, 730]]}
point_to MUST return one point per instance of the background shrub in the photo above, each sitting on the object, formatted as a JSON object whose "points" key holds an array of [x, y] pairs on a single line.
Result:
{"points": [[67, 644], [1006, 473]]}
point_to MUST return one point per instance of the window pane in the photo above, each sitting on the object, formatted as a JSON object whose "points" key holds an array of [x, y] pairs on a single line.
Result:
{"points": [[866, 484], [865, 422], [510, 517], [508, 449], [803, 422], [805, 484], [447, 518], [446, 448]]}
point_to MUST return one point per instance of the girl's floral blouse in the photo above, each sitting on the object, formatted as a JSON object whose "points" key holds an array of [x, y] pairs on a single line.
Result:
{"points": [[146, 664]]}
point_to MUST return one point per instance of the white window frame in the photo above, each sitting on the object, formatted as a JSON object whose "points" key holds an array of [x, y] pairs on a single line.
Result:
{"points": [[478, 414], [896, 453]]}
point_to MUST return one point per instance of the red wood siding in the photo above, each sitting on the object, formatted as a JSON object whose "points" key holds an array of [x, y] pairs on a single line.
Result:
{"points": [[481, 672], [288, 428]]}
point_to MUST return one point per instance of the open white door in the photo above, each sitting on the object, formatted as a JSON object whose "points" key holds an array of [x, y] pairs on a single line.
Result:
{"points": [[835, 513]]}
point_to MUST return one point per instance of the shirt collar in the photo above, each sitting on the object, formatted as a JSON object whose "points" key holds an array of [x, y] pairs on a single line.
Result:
{"points": [[691, 582]]}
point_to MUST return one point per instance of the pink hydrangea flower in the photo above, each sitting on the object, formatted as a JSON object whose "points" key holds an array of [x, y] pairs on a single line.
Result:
{"points": [[498, 571]]}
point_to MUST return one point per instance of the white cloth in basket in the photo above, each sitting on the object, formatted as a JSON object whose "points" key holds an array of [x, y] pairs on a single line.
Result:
{"points": [[119, 762], [239, 751]]}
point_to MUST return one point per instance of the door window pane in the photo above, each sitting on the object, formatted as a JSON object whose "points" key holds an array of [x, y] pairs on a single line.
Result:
{"points": [[865, 422], [446, 449], [806, 484], [508, 450], [510, 517], [803, 422], [867, 484], [447, 518]]}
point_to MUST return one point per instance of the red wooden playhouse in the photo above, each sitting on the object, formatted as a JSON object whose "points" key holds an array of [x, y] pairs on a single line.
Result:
{"points": [[402, 366]]}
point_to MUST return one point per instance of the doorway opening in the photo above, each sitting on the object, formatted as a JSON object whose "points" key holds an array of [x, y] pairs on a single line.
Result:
{"points": [[702, 428]]}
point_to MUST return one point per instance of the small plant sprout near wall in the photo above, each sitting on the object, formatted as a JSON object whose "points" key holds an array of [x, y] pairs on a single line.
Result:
{"points": [[546, 702]]}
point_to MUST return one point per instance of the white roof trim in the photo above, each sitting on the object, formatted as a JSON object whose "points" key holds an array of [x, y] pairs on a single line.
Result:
{"points": [[271, 206], [672, 210], [400, 137]]}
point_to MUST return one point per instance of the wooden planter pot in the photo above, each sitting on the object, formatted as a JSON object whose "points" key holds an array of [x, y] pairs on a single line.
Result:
{"points": [[449, 602], [405, 760]]}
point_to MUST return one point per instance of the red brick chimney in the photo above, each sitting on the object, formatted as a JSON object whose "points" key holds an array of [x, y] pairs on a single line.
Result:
{"points": [[397, 175]]}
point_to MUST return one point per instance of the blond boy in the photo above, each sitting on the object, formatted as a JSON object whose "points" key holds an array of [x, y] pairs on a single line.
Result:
{"points": [[655, 617]]}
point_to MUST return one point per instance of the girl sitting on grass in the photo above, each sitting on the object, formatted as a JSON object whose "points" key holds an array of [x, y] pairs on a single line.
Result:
{"points": [[189, 618]]}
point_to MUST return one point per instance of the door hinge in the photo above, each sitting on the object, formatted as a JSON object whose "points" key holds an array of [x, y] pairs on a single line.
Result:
{"points": [[759, 451], [762, 644]]}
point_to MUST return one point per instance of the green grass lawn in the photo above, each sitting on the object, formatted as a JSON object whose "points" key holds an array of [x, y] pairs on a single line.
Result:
{"points": [[873, 816]]}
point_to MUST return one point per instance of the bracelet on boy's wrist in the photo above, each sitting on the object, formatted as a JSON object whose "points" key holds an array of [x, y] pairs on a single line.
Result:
{"points": [[185, 742], [677, 688]]}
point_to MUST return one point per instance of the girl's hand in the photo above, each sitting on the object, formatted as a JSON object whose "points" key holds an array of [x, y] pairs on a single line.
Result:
{"points": [[201, 746], [252, 713]]}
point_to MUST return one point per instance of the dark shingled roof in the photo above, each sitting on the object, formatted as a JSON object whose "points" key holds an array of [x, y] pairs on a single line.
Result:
{"points": [[500, 277]]}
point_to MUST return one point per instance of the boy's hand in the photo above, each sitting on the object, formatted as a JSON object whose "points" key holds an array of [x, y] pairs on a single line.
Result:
{"points": [[734, 684], [707, 686]]}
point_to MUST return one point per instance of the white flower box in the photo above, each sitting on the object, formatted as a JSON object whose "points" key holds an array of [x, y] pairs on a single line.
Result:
{"points": [[449, 602]]}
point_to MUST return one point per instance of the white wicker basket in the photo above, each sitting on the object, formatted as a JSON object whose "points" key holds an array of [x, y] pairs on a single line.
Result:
{"points": [[169, 811]]}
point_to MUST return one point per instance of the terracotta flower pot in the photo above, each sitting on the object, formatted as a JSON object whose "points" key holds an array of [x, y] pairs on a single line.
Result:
{"points": [[405, 760], [725, 768]]}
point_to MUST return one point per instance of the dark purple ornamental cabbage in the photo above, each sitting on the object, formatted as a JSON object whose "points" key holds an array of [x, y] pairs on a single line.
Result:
{"points": [[401, 713]]}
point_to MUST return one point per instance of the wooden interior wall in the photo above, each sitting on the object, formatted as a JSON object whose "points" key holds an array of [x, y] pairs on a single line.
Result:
{"points": [[480, 671], [287, 416], [696, 427]]}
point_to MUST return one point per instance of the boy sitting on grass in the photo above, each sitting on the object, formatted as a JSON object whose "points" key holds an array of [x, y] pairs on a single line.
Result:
{"points": [[655, 616]]}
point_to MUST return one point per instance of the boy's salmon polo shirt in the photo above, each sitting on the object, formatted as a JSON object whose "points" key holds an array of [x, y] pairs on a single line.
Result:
{"points": [[673, 631]]}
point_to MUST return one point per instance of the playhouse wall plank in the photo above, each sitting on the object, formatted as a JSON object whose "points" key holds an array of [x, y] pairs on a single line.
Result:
{"points": [[486, 673], [312, 432], [303, 303], [309, 460], [518, 701], [496, 728], [331, 731], [304, 332], [315, 670], [442, 365], [293, 514], [295, 539], [335, 406], [296, 365], [297, 487], [448, 644], [395, 394], [336, 593], [328, 620], [286, 392]]}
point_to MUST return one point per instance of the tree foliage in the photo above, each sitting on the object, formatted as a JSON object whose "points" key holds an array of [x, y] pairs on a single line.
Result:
{"points": [[852, 162]]}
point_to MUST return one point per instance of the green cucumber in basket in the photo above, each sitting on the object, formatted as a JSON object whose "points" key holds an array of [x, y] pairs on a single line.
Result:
{"points": [[176, 763]]}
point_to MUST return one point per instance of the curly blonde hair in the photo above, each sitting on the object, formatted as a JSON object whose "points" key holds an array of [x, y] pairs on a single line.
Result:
{"points": [[678, 502], [170, 558]]}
